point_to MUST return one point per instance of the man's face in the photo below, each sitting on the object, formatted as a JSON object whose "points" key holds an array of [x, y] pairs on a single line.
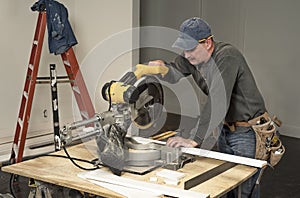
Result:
{"points": [[197, 55]]}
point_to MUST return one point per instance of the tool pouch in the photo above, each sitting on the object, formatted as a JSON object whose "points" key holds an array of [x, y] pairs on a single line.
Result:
{"points": [[268, 145], [276, 153]]}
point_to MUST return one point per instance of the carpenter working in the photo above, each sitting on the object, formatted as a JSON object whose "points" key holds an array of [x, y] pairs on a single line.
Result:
{"points": [[234, 101]]}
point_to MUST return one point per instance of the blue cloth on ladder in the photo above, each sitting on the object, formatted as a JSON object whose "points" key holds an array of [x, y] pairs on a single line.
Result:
{"points": [[60, 34]]}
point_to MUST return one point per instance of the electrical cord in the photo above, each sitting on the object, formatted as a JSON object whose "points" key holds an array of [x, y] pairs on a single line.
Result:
{"points": [[11, 185], [77, 165], [93, 162], [76, 159], [72, 159]]}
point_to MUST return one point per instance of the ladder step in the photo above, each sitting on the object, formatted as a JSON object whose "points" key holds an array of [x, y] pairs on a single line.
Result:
{"points": [[20, 122], [16, 149], [67, 63], [25, 94], [76, 89], [84, 114], [35, 42], [30, 66]]}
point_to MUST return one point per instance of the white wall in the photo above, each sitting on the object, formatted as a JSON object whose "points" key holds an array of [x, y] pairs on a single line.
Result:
{"points": [[93, 21], [268, 34], [102, 28], [16, 40]]}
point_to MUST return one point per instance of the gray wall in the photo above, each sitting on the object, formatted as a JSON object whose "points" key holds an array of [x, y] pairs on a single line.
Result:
{"points": [[265, 31], [161, 13], [182, 98]]}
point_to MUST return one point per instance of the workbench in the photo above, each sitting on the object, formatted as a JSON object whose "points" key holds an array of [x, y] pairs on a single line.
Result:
{"points": [[61, 171]]}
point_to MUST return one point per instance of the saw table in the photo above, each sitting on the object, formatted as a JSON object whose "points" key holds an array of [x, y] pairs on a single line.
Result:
{"points": [[60, 171]]}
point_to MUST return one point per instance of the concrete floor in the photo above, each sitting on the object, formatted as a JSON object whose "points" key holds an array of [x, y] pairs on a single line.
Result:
{"points": [[282, 182]]}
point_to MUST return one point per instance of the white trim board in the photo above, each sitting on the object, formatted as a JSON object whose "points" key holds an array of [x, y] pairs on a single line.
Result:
{"points": [[134, 185], [225, 157], [212, 154]]}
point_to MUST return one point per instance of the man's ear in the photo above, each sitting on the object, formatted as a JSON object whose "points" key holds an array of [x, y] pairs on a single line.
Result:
{"points": [[209, 44]]}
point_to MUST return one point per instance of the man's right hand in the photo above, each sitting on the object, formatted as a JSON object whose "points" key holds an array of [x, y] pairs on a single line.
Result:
{"points": [[157, 63], [154, 67]]}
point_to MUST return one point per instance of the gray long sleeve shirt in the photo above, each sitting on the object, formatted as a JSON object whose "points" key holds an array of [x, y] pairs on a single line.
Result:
{"points": [[227, 80]]}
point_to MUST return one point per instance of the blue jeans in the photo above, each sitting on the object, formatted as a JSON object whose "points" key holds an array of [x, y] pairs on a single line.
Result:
{"points": [[241, 142]]}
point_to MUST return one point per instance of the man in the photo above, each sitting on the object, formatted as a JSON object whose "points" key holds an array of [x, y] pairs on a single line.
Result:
{"points": [[222, 73]]}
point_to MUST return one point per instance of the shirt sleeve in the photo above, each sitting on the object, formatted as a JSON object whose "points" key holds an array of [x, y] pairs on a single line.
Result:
{"points": [[182, 68], [177, 70]]}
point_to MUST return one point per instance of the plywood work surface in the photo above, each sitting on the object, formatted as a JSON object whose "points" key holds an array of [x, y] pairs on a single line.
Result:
{"points": [[61, 171]]}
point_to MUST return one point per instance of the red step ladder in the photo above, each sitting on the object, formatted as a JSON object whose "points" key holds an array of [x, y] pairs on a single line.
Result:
{"points": [[80, 91]]}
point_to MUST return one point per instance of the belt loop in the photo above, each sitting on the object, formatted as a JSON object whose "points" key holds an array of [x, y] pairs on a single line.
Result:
{"points": [[230, 126]]}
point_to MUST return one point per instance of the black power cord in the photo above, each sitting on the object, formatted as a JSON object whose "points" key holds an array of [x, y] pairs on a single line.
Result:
{"points": [[93, 162], [11, 189], [77, 165]]}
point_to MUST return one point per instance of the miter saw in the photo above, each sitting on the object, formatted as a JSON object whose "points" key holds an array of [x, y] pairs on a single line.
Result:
{"points": [[136, 98]]}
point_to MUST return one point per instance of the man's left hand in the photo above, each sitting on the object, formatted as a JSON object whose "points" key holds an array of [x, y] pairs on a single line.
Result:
{"points": [[181, 142]]}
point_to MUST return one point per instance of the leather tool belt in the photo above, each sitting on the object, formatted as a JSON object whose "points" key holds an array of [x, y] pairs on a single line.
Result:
{"points": [[232, 125], [268, 145]]}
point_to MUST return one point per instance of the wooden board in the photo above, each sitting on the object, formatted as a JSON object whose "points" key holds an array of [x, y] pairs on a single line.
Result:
{"points": [[228, 180], [61, 171]]}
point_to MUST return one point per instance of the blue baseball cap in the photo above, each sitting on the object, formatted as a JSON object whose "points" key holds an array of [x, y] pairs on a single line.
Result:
{"points": [[192, 31]]}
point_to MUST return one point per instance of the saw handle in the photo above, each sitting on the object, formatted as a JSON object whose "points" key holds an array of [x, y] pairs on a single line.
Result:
{"points": [[142, 69]]}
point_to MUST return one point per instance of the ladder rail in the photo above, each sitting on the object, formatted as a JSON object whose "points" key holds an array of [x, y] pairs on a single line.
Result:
{"points": [[76, 80], [26, 102]]}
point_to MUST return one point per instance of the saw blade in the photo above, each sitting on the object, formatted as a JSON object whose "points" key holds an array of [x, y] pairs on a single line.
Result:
{"points": [[148, 108]]}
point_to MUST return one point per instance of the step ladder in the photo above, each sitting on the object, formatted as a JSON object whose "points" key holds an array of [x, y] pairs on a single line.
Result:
{"points": [[79, 88]]}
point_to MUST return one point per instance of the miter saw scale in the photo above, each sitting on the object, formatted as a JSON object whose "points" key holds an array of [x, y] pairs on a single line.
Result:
{"points": [[131, 100]]}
